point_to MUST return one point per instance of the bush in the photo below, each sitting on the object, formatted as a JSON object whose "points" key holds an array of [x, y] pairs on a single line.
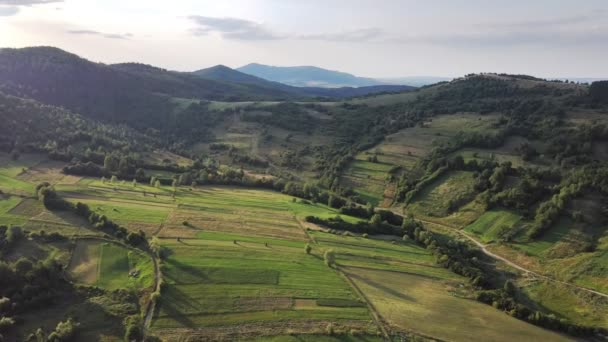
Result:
{"points": [[329, 257]]}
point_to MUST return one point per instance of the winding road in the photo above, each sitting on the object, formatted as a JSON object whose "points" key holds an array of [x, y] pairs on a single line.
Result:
{"points": [[509, 262]]}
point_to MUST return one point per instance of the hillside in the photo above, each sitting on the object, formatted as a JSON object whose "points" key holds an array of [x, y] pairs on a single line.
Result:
{"points": [[223, 73], [306, 76], [479, 202], [110, 92]]}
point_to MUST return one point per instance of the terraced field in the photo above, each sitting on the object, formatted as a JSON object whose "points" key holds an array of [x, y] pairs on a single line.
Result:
{"points": [[403, 149]]}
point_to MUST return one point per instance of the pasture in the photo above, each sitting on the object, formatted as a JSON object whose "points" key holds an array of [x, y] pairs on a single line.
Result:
{"points": [[107, 265], [413, 294], [432, 308], [489, 226], [449, 199], [214, 281]]}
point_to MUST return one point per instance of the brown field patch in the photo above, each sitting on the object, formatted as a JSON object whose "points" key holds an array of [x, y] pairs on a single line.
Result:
{"points": [[248, 331], [45, 171], [262, 303], [148, 228], [84, 265], [235, 221], [303, 304], [28, 207]]}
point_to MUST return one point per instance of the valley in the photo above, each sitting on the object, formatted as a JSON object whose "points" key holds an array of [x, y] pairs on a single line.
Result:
{"points": [[251, 212]]}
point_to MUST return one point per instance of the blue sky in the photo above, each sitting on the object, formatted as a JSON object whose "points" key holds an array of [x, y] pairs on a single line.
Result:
{"points": [[369, 38]]}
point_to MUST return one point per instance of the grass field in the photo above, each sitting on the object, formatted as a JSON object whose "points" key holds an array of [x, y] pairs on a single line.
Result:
{"points": [[368, 179], [488, 226], [431, 308], [432, 203], [213, 281], [107, 265], [413, 294], [266, 282]]}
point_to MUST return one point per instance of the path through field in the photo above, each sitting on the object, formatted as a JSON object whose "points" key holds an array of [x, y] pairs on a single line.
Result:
{"points": [[509, 262], [152, 304]]}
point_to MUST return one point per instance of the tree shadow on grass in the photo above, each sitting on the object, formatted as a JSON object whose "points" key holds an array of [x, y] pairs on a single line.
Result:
{"points": [[381, 287], [201, 276]]}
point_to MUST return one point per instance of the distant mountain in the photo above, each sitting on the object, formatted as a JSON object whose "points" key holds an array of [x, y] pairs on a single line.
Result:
{"points": [[224, 73], [307, 76], [128, 92]]}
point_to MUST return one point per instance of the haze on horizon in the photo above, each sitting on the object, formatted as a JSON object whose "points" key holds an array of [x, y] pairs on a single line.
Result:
{"points": [[399, 38]]}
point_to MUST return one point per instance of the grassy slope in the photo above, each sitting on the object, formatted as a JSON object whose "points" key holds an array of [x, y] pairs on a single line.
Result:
{"points": [[412, 293]]}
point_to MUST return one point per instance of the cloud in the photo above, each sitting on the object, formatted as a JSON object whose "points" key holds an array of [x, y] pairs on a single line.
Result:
{"points": [[7, 11], [574, 30], [355, 36], [232, 28], [101, 34], [27, 2], [243, 29]]}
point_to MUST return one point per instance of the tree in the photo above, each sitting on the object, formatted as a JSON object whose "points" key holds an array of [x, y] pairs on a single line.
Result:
{"points": [[6, 323], [376, 219], [140, 174], [308, 248], [329, 257], [153, 180], [157, 184], [110, 163], [123, 166], [15, 155], [509, 287], [114, 180], [134, 182], [23, 265], [14, 234]]}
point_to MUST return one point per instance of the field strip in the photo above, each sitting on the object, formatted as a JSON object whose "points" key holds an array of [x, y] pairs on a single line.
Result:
{"points": [[70, 196], [511, 263], [375, 314], [372, 309]]}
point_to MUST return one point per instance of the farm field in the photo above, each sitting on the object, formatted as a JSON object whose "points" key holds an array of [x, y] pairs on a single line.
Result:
{"points": [[240, 261], [434, 201], [432, 308], [107, 265], [489, 225], [413, 294], [213, 282], [367, 178]]}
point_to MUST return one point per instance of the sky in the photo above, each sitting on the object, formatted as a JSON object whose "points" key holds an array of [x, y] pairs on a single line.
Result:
{"points": [[373, 38]]}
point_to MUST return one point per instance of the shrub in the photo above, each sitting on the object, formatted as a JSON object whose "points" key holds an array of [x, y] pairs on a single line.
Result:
{"points": [[329, 257]]}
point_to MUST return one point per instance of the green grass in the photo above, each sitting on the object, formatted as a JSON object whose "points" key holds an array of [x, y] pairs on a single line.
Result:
{"points": [[6, 218], [432, 308], [366, 178], [488, 226], [113, 267], [216, 282], [577, 307], [434, 199], [107, 265], [543, 243]]}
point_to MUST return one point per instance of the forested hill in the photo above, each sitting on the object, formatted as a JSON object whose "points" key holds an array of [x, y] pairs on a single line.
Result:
{"points": [[123, 93], [134, 93], [223, 73]]}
